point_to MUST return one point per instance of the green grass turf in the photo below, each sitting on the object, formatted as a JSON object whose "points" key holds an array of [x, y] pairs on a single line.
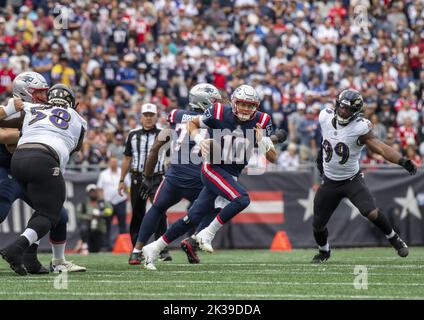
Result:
{"points": [[231, 274]]}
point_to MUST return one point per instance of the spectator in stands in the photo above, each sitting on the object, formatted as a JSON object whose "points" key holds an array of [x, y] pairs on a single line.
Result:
{"points": [[107, 190], [289, 159], [92, 215]]}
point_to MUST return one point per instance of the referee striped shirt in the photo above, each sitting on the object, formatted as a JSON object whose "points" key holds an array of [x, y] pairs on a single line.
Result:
{"points": [[138, 145]]}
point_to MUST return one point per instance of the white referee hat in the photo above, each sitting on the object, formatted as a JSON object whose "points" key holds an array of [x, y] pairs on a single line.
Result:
{"points": [[149, 108]]}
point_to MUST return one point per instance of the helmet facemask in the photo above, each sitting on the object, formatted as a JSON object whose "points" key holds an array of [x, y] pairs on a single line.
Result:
{"points": [[244, 110], [347, 109]]}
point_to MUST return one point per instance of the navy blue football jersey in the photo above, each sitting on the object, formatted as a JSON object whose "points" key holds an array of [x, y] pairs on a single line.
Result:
{"points": [[5, 157], [185, 169], [237, 138]]}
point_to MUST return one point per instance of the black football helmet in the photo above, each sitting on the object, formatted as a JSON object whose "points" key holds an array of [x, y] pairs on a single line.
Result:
{"points": [[349, 105], [61, 95]]}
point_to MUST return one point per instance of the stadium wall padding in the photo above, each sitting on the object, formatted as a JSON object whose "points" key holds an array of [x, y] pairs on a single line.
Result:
{"points": [[279, 201]]}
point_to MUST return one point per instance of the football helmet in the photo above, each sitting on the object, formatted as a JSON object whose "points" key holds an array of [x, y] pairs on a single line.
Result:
{"points": [[349, 104], [203, 95], [61, 95], [245, 102], [27, 86]]}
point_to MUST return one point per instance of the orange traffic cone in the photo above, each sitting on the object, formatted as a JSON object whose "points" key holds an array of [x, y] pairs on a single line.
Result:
{"points": [[123, 244], [281, 242]]}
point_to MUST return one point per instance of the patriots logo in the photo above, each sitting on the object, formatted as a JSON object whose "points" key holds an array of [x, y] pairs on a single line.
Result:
{"points": [[208, 90], [27, 79]]}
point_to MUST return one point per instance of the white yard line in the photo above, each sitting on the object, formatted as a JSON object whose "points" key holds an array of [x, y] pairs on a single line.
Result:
{"points": [[83, 294], [218, 282]]}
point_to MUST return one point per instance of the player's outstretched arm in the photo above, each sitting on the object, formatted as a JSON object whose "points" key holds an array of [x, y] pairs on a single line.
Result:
{"points": [[163, 137], [387, 152], [14, 105]]}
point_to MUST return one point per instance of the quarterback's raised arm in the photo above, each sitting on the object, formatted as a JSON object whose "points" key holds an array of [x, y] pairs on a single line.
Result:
{"points": [[265, 145], [387, 152]]}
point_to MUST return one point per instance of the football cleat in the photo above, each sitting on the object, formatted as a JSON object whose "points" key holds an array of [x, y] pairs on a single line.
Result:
{"points": [[165, 256], [14, 261], [136, 258], [58, 266], [189, 246], [151, 255], [33, 265], [204, 240], [321, 257], [399, 245]]}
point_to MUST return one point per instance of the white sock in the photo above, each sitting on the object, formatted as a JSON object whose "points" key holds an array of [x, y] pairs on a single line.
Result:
{"points": [[31, 235], [391, 234], [37, 242], [324, 248], [58, 251], [135, 250], [214, 226], [161, 244]]}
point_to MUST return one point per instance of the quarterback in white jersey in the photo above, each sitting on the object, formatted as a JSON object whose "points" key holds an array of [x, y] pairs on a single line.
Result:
{"points": [[344, 134], [51, 132]]}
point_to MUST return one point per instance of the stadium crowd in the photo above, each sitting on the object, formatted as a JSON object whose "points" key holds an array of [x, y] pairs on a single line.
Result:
{"points": [[297, 54]]}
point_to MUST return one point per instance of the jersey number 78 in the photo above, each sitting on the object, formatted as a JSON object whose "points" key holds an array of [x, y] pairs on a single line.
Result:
{"points": [[59, 117]]}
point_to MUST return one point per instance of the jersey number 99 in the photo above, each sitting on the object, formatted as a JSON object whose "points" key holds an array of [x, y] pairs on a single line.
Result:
{"points": [[340, 149]]}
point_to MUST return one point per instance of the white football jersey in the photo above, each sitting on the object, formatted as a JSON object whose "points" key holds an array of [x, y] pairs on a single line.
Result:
{"points": [[341, 146], [56, 127]]}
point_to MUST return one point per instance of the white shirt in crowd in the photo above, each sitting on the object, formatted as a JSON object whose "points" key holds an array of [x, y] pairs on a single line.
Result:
{"points": [[287, 161], [109, 181]]}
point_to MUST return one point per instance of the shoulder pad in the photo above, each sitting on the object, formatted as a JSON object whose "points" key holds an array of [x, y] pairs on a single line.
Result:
{"points": [[172, 116], [218, 111], [263, 119]]}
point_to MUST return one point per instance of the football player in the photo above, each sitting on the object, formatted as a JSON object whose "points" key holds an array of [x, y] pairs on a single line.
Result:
{"points": [[182, 179], [30, 87], [51, 132], [236, 123], [344, 134]]}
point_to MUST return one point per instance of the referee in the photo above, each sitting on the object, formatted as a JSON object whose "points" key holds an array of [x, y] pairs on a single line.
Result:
{"points": [[137, 148]]}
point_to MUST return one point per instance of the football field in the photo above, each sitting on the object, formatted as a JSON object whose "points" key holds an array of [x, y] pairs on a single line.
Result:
{"points": [[231, 274]]}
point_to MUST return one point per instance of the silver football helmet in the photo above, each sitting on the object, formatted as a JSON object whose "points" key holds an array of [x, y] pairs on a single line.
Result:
{"points": [[245, 102], [203, 96], [26, 83]]}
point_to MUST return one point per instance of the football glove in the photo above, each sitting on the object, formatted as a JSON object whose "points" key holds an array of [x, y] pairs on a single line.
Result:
{"points": [[146, 187], [408, 165], [281, 135]]}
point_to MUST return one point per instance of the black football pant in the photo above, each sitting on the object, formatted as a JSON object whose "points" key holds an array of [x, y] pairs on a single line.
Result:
{"points": [[330, 194], [38, 171]]}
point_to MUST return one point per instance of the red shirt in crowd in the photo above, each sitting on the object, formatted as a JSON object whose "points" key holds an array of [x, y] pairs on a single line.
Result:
{"points": [[407, 135], [415, 52], [401, 101], [6, 78]]}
